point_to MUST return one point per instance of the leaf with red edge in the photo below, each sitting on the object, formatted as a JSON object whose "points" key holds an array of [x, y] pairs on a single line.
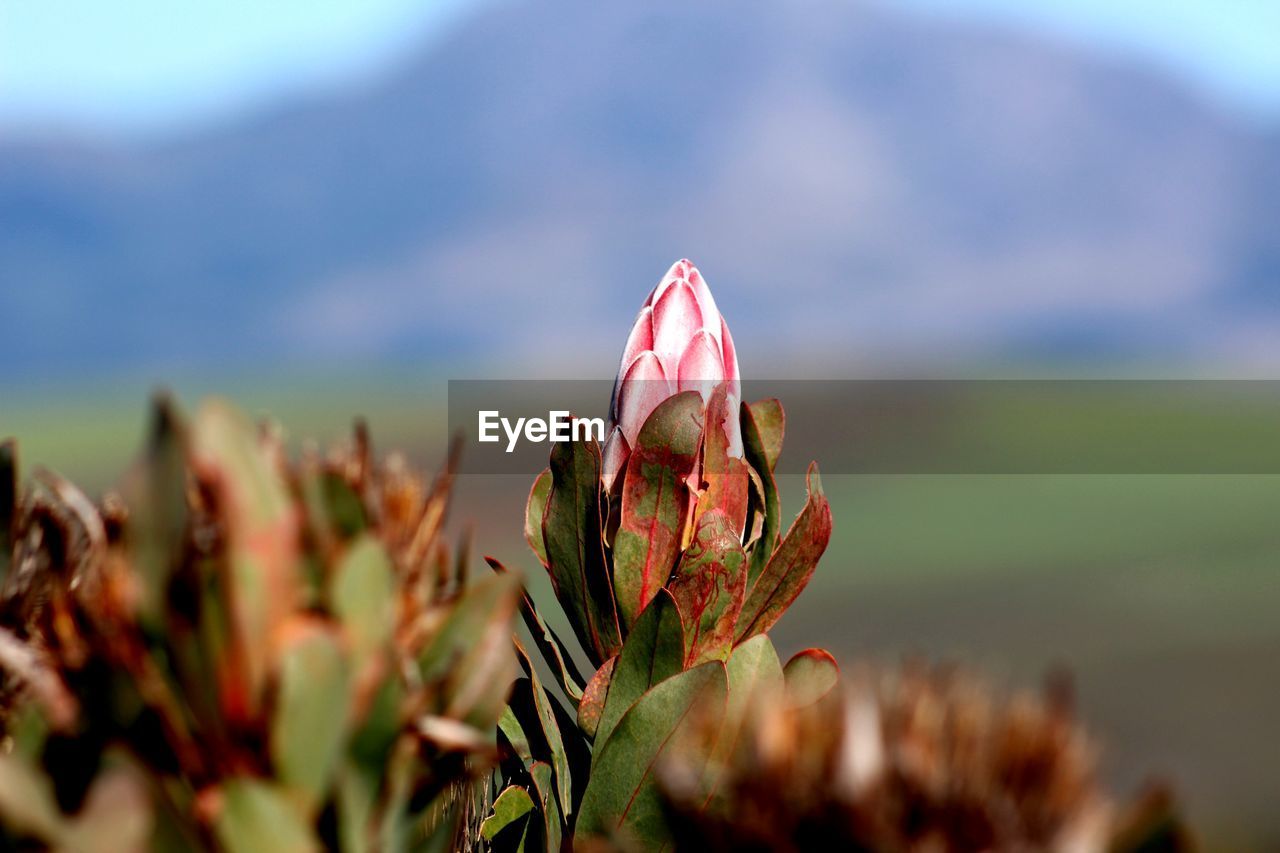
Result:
{"points": [[709, 588], [770, 422], [791, 566], [654, 501], [622, 797], [571, 529], [593, 698], [811, 674], [261, 576], [755, 450], [535, 510], [726, 477], [654, 650]]}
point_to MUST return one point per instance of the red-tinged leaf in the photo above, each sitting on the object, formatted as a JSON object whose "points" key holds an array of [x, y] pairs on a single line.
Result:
{"points": [[755, 450], [549, 644], [654, 502], [309, 725], [550, 730], [592, 704], [726, 477], [770, 422], [535, 510], [622, 797], [654, 650], [811, 674], [571, 530], [791, 566], [709, 589], [261, 579]]}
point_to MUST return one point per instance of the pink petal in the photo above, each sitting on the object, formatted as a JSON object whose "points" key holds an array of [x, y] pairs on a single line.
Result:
{"points": [[701, 367], [676, 319], [675, 274], [730, 354], [640, 339], [653, 296], [616, 453], [706, 302], [643, 388]]}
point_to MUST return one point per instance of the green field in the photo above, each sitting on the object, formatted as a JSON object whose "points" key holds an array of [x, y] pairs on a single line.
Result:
{"points": [[1160, 593]]}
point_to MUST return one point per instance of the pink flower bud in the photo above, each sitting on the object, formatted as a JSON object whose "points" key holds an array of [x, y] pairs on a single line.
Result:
{"points": [[679, 343]]}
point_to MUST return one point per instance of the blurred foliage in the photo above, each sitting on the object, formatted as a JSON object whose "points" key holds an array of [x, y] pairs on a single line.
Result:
{"points": [[244, 652], [914, 759]]}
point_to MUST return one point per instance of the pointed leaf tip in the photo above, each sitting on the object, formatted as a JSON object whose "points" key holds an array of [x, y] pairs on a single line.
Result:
{"points": [[791, 565]]}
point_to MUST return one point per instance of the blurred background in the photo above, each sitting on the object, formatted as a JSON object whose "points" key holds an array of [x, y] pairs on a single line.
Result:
{"points": [[329, 209]]}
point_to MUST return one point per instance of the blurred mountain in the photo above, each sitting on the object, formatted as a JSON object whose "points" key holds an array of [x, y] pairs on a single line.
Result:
{"points": [[851, 179]]}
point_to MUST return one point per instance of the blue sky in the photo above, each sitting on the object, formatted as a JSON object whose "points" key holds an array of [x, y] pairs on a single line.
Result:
{"points": [[145, 64]]}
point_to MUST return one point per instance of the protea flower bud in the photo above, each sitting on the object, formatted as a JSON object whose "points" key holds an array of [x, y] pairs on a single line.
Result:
{"points": [[679, 343]]}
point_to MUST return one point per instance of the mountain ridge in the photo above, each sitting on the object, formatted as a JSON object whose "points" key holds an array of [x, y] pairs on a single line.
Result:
{"points": [[915, 184]]}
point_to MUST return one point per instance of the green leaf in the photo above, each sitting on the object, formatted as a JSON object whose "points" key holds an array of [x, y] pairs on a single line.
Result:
{"points": [[791, 566], [552, 832], [155, 491], [811, 674], [257, 817], [550, 646], [770, 423], [308, 729], [550, 730], [262, 578], [654, 651], [571, 530], [372, 741], [591, 707], [709, 588], [354, 800], [513, 805], [623, 794], [346, 511], [362, 592], [8, 502], [511, 728], [654, 500], [755, 674], [755, 450], [753, 666], [27, 801], [534, 512]]}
